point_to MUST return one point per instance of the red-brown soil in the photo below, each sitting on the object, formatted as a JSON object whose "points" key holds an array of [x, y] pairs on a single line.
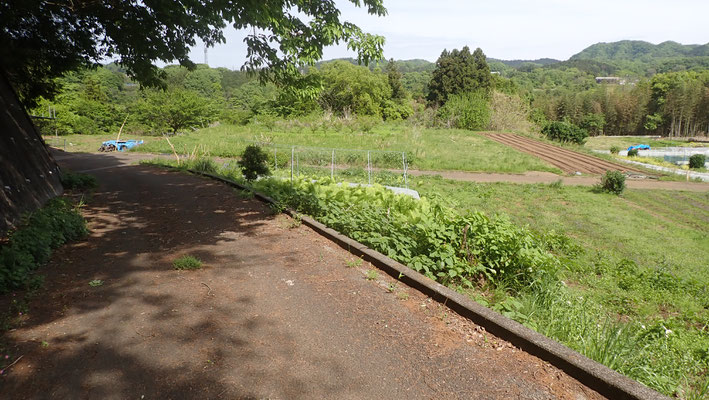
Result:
{"points": [[567, 160]]}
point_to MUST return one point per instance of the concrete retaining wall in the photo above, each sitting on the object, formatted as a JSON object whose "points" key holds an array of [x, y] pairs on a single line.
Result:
{"points": [[29, 176]]}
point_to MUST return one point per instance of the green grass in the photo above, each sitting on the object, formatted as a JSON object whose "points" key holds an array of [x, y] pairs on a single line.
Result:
{"points": [[81, 182], [605, 143], [661, 163], [89, 143], [643, 225], [635, 269], [427, 149], [187, 262]]}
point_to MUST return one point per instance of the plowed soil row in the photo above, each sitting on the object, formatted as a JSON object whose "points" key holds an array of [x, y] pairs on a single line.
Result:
{"points": [[566, 160]]}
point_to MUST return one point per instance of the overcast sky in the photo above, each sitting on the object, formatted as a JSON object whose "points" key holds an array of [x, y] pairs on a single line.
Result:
{"points": [[513, 29]]}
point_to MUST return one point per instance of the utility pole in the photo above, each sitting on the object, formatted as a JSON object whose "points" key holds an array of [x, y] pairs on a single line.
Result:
{"points": [[206, 62]]}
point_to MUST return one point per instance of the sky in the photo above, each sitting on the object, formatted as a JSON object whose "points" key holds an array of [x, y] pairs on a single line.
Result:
{"points": [[513, 29]]}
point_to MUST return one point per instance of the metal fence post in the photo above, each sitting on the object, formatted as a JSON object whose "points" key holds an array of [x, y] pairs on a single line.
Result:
{"points": [[403, 160], [292, 151], [369, 167]]}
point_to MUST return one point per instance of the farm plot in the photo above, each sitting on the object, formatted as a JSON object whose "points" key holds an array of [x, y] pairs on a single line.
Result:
{"points": [[566, 160]]}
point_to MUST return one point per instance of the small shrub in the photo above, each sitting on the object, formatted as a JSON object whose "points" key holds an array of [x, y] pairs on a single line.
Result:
{"points": [[205, 165], [187, 262], [31, 244], [615, 149], [697, 161], [253, 163], [633, 153], [563, 131], [557, 184], [613, 182], [82, 182]]}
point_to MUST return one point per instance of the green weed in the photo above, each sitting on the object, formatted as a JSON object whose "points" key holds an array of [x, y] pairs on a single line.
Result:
{"points": [[31, 244], [205, 165], [372, 275], [96, 283], [187, 262], [80, 182], [357, 262]]}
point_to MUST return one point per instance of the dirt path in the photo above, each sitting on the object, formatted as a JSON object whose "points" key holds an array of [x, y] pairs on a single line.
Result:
{"points": [[275, 313], [566, 160]]}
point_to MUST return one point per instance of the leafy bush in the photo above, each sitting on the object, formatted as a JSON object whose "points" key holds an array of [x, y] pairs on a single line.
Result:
{"points": [[633, 153], [466, 111], [396, 110], [613, 182], [425, 235], [32, 243], [563, 131], [187, 262], [615, 149], [74, 181], [697, 161], [253, 163]]}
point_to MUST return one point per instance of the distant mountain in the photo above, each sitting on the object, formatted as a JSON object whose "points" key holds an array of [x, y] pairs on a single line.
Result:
{"points": [[518, 63], [415, 65], [626, 57], [637, 50]]}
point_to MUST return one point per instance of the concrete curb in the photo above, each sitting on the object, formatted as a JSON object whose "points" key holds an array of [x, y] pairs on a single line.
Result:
{"points": [[596, 376]]}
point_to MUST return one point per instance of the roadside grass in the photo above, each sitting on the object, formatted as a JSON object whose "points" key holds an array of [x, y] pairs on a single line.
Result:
{"points": [[661, 163], [635, 270], [426, 149], [81, 182]]}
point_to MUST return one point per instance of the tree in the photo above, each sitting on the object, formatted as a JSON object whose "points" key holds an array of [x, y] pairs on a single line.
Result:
{"points": [[459, 72], [175, 109], [397, 88], [352, 88], [41, 40]]}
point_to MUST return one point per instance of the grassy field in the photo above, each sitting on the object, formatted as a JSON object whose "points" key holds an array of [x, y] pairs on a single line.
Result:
{"points": [[427, 149], [641, 258], [89, 143]]}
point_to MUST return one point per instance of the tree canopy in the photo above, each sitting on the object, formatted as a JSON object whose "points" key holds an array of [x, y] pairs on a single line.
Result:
{"points": [[42, 40], [459, 71]]}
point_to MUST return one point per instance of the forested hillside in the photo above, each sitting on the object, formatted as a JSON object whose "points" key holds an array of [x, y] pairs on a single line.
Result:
{"points": [[462, 89]]}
